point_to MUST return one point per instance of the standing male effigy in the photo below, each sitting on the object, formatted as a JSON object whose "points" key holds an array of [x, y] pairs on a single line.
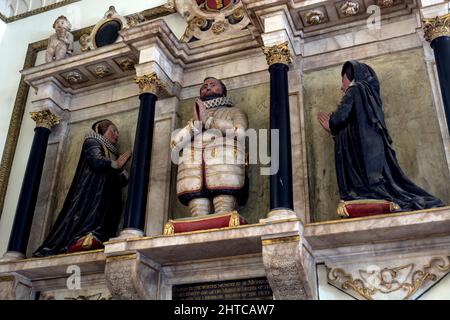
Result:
{"points": [[212, 167]]}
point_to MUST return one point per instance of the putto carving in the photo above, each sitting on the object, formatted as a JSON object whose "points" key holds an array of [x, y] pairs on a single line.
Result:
{"points": [[278, 54], [315, 17], [437, 27], [389, 282], [60, 45], [350, 8], [44, 119], [150, 83]]}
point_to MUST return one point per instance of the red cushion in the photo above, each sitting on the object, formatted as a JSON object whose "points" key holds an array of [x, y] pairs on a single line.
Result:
{"points": [[212, 221], [365, 208], [86, 243]]}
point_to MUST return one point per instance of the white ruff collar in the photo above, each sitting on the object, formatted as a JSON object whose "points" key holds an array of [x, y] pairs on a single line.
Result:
{"points": [[218, 102], [102, 140]]}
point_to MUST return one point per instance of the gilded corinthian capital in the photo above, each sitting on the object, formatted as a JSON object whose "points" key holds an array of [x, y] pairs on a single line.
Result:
{"points": [[44, 119], [150, 83], [278, 54], [436, 27]]}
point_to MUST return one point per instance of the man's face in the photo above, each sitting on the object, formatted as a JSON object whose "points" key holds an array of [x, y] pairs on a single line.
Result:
{"points": [[112, 134], [345, 83], [211, 87]]}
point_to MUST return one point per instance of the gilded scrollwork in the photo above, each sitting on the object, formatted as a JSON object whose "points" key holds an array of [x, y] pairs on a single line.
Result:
{"points": [[278, 54], [403, 281], [437, 27]]}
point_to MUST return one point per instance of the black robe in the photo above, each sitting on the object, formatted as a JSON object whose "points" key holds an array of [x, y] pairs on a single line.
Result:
{"points": [[366, 164], [93, 203]]}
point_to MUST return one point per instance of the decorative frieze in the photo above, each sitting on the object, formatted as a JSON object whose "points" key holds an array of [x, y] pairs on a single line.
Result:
{"points": [[402, 280]]}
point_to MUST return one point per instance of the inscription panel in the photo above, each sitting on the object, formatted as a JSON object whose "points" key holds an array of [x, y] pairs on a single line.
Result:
{"points": [[243, 289]]}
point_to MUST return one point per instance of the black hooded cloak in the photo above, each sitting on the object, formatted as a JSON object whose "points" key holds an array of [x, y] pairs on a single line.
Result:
{"points": [[366, 164], [93, 203]]}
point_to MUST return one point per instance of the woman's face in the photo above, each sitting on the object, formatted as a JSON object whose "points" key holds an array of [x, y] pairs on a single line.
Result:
{"points": [[112, 134], [345, 83]]}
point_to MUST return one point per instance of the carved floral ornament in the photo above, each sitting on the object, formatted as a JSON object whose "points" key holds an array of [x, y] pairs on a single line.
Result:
{"points": [[278, 54], [350, 8], [385, 3], [315, 17], [393, 282], [437, 27], [44, 119], [150, 83]]}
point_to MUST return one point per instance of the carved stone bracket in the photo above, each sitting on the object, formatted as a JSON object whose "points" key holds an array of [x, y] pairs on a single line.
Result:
{"points": [[15, 287], [131, 277], [278, 54], [150, 84], [44, 119], [283, 260], [436, 27], [406, 279]]}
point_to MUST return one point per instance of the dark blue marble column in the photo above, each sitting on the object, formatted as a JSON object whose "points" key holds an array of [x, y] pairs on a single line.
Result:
{"points": [[142, 151], [26, 205], [278, 58], [438, 34]]}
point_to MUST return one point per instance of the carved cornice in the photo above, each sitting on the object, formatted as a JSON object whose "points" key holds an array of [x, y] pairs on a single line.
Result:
{"points": [[44, 119], [278, 54], [150, 84], [36, 11], [437, 27]]}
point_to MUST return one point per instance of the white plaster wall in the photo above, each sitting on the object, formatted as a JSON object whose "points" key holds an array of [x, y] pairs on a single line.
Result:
{"points": [[14, 40]]}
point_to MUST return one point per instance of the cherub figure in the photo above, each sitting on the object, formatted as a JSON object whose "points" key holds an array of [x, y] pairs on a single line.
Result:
{"points": [[60, 45]]}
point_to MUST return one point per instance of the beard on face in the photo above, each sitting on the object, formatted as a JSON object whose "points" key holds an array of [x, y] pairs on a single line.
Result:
{"points": [[212, 96]]}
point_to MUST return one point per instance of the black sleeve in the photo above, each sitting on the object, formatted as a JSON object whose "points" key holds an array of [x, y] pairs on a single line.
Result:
{"points": [[340, 117], [94, 154]]}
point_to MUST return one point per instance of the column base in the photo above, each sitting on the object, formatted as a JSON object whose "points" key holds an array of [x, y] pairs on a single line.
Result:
{"points": [[11, 256], [279, 214]]}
